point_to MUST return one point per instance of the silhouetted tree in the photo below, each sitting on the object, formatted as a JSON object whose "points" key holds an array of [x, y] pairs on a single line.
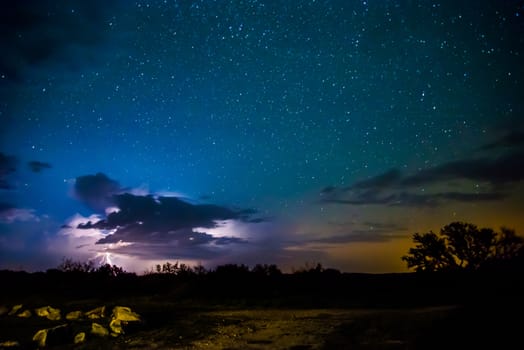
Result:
{"points": [[508, 245], [462, 246], [469, 245], [429, 254], [199, 270], [69, 265], [108, 270], [170, 268], [232, 270], [309, 269], [266, 270]]}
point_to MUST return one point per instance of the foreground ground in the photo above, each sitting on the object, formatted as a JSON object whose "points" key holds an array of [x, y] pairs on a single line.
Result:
{"points": [[172, 326], [294, 329], [167, 326], [318, 310]]}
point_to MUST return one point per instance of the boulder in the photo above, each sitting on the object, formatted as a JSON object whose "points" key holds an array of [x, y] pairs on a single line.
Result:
{"points": [[25, 314], [80, 338], [120, 317], [49, 312], [98, 329], [96, 313], [74, 315], [15, 309], [116, 327], [58, 335], [40, 337], [124, 313]]}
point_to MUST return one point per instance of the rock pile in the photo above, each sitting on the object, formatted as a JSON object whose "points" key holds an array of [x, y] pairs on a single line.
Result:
{"points": [[93, 322]]}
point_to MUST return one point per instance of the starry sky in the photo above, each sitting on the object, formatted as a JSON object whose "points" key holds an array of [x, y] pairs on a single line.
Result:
{"points": [[255, 131]]}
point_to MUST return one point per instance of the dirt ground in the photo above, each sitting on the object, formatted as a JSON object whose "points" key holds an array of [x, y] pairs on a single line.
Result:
{"points": [[168, 326], [292, 330], [260, 329]]}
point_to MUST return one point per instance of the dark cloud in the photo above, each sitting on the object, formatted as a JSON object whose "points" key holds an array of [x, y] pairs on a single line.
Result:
{"points": [[228, 240], [355, 231], [384, 226], [392, 188], [363, 232], [37, 166], [507, 168], [409, 199], [156, 221], [258, 220], [514, 138], [7, 167], [328, 190], [471, 197], [385, 180], [180, 238], [360, 236], [37, 32], [163, 219], [97, 191]]}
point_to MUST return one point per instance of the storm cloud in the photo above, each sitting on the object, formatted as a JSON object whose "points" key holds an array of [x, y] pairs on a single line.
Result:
{"points": [[96, 191], [153, 219]]}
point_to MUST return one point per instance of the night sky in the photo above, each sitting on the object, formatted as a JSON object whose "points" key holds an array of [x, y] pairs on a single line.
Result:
{"points": [[251, 131]]}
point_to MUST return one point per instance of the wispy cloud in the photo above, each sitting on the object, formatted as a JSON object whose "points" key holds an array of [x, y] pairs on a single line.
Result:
{"points": [[431, 187], [513, 139], [10, 214], [505, 169]]}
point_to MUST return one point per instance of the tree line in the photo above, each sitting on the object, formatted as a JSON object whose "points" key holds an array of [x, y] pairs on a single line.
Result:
{"points": [[459, 246]]}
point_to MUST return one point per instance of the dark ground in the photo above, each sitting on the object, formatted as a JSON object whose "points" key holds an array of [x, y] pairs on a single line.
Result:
{"points": [[240, 310]]}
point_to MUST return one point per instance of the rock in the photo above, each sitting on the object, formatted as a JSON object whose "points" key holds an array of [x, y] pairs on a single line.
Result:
{"points": [[25, 314], [49, 312], [116, 327], [96, 313], [15, 309], [9, 344], [40, 337], [121, 316], [74, 315], [58, 335], [98, 329], [124, 313], [80, 338]]}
